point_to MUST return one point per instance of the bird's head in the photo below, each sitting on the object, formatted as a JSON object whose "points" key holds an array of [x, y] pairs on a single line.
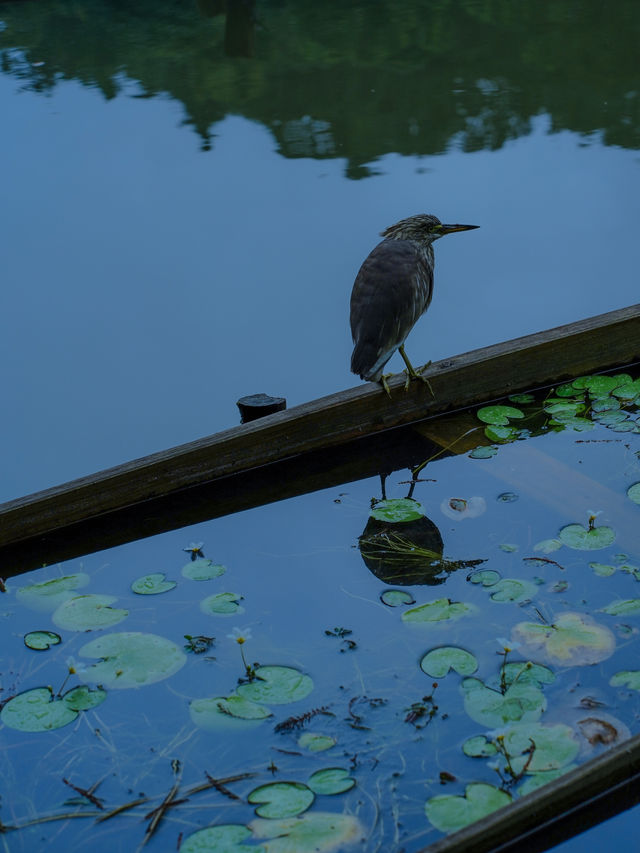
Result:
{"points": [[423, 228]]}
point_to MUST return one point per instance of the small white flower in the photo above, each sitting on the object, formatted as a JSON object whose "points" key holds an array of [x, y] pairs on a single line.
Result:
{"points": [[507, 645], [240, 635], [194, 547]]}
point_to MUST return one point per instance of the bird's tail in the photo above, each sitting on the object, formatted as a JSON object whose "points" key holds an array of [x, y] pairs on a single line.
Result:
{"points": [[366, 362]]}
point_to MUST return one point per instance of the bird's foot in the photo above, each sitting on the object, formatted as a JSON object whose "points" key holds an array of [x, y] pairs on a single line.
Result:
{"points": [[385, 384], [412, 373]]}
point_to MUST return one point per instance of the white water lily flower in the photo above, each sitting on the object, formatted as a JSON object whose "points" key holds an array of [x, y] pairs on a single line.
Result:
{"points": [[240, 635]]}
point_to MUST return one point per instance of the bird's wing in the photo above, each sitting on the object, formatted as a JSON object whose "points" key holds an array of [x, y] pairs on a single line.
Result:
{"points": [[391, 291]]}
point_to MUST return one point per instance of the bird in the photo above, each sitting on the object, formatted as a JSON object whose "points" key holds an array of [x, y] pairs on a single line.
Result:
{"points": [[392, 290]]}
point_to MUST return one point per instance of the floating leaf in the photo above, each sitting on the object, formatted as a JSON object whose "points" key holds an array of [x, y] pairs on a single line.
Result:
{"points": [[316, 743], [281, 799], [626, 677], [564, 409], [522, 398], [437, 611], [202, 570], [622, 607], [483, 452], [508, 548], [525, 672], [633, 493], [569, 390], [578, 424], [555, 746], [314, 832], [223, 712], [547, 546], [84, 698], [41, 640], [47, 595], [578, 537], [537, 780], [37, 711], [152, 584], [627, 391], [491, 708], [131, 659], [225, 838], [396, 597], [600, 386], [486, 577], [500, 433], [602, 569], [478, 747], [397, 510], [331, 780], [498, 415], [512, 589], [222, 604], [448, 812], [438, 662], [573, 639], [88, 612], [277, 685]]}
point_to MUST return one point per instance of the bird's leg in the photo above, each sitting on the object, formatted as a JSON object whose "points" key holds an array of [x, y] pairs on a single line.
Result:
{"points": [[385, 384], [412, 373]]}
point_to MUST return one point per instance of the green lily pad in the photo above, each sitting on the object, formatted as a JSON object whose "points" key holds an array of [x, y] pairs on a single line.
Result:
{"points": [[577, 424], [331, 780], [564, 409], [153, 584], [316, 743], [84, 698], [603, 570], [547, 546], [626, 678], [491, 708], [437, 611], [314, 832], [573, 639], [555, 746], [478, 747], [600, 386], [281, 799], [276, 685], [522, 399], [47, 595], [202, 570], [628, 390], [569, 390], [41, 640], [486, 577], [633, 493], [396, 597], [483, 452], [622, 607], [498, 415], [512, 589], [37, 710], [438, 662], [222, 604], [397, 510], [448, 812], [224, 838], [581, 539], [525, 672], [131, 659], [224, 712], [538, 780], [88, 612], [495, 432]]}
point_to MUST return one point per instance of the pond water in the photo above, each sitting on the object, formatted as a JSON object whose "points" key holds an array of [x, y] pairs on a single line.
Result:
{"points": [[307, 645], [187, 196]]}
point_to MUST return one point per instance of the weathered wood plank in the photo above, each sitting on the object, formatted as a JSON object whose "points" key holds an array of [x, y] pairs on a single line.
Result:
{"points": [[556, 811], [155, 493]]}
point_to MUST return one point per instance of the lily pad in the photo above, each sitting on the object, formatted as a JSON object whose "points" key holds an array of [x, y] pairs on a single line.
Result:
{"points": [[202, 570], [153, 584], [486, 577], [547, 546], [84, 698], [633, 493], [222, 604], [47, 595], [331, 780], [281, 799], [88, 612], [448, 812], [513, 589], [555, 746], [538, 780], [483, 452], [622, 607], [396, 597], [397, 510], [276, 685], [500, 433], [37, 710], [316, 743], [41, 640], [224, 838], [437, 611], [603, 570], [492, 708], [498, 415], [525, 672], [628, 390], [314, 832], [626, 678], [478, 747], [224, 712], [131, 659], [438, 662], [573, 639], [581, 539]]}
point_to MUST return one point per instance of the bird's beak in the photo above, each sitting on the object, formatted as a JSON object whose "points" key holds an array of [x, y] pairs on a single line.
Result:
{"points": [[450, 229]]}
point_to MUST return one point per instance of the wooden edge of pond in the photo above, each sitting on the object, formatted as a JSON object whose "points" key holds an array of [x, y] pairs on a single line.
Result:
{"points": [[581, 798], [254, 463]]}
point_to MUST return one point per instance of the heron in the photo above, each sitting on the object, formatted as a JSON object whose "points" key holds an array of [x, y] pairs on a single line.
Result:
{"points": [[391, 292]]}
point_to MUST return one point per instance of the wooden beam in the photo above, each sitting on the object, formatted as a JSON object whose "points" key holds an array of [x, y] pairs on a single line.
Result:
{"points": [[256, 462]]}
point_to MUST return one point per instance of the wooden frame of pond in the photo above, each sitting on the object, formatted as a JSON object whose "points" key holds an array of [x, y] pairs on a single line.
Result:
{"points": [[328, 442]]}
